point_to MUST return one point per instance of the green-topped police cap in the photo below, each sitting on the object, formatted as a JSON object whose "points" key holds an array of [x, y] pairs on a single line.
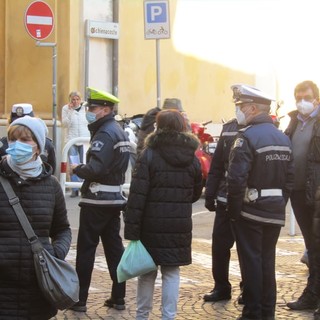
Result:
{"points": [[100, 98]]}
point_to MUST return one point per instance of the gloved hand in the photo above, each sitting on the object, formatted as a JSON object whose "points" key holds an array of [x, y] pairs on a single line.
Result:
{"points": [[210, 204]]}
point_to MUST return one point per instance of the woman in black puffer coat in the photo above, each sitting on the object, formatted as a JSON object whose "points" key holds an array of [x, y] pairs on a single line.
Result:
{"points": [[166, 181], [42, 199]]}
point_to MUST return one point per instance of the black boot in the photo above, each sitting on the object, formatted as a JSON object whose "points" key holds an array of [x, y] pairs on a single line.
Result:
{"points": [[217, 295], [307, 300]]}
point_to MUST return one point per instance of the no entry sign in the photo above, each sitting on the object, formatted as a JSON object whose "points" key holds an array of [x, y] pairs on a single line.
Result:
{"points": [[39, 20]]}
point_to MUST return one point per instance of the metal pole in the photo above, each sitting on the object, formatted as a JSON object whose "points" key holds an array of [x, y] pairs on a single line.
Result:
{"points": [[158, 73], [54, 87], [115, 55], [54, 96], [86, 63]]}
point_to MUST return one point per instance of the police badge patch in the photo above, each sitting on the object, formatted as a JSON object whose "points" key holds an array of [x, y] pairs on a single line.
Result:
{"points": [[97, 145], [238, 143]]}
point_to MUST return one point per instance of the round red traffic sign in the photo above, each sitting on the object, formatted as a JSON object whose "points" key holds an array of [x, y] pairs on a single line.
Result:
{"points": [[39, 20]]}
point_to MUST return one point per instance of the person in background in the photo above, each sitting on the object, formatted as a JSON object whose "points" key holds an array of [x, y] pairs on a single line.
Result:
{"points": [[304, 132], [174, 103], [74, 120], [149, 120], [101, 197], [259, 181], [166, 181], [42, 199], [147, 126], [216, 200], [48, 154]]}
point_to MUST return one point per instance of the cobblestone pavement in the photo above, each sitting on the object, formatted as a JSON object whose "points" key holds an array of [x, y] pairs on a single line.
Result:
{"points": [[195, 281]]}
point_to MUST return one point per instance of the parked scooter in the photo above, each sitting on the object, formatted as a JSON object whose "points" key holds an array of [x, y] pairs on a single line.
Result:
{"points": [[207, 147]]}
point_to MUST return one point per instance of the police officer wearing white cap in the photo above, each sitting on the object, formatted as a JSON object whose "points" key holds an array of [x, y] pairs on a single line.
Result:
{"points": [[20, 110], [101, 196], [259, 182]]}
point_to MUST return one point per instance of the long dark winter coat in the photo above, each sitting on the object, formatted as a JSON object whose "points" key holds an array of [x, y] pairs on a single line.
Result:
{"points": [[43, 202], [165, 183]]}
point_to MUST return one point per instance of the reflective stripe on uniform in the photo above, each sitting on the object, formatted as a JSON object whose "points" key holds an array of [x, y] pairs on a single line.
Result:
{"points": [[121, 144], [222, 199], [271, 192], [101, 202], [96, 187], [274, 148], [229, 134], [262, 219]]}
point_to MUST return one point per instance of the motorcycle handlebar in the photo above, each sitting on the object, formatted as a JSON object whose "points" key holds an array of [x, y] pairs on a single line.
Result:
{"points": [[205, 123]]}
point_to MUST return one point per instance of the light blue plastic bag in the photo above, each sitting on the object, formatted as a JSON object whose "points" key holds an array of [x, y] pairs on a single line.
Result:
{"points": [[135, 261]]}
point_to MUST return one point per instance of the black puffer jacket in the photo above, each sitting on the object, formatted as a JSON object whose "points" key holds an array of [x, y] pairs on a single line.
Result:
{"points": [[165, 183], [43, 202]]}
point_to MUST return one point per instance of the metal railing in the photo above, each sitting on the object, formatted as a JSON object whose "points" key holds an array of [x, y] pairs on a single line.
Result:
{"points": [[64, 167]]}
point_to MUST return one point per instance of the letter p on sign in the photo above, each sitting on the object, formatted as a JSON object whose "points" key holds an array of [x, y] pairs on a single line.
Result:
{"points": [[156, 13]]}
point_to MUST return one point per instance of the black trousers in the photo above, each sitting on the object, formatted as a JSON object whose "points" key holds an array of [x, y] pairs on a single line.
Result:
{"points": [[304, 215], [96, 223], [222, 242], [256, 244]]}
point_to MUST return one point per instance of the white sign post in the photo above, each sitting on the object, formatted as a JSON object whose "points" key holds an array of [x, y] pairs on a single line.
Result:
{"points": [[157, 26]]}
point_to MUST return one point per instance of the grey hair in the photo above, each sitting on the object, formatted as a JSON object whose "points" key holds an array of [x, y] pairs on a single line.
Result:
{"points": [[263, 107]]}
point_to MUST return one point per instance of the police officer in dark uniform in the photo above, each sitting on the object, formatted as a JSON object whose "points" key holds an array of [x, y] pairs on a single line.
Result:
{"points": [[25, 109], [259, 182], [216, 200], [102, 198]]}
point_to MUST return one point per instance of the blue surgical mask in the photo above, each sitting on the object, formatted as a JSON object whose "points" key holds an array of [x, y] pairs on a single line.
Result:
{"points": [[91, 116], [20, 152]]}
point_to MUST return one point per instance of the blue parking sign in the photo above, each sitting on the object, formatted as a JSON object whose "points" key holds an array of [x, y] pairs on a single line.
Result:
{"points": [[156, 19], [156, 12]]}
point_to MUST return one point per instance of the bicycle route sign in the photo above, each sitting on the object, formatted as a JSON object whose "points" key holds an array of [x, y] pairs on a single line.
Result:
{"points": [[156, 19], [38, 20]]}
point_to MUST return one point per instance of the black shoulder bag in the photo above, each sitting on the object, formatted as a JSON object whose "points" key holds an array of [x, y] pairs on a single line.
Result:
{"points": [[57, 279]]}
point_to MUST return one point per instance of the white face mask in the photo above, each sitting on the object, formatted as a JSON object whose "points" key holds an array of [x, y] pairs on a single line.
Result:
{"points": [[305, 107], [241, 118]]}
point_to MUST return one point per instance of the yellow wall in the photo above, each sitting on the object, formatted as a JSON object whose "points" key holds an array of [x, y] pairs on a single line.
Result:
{"points": [[2, 55], [26, 69], [203, 87], [26, 73]]}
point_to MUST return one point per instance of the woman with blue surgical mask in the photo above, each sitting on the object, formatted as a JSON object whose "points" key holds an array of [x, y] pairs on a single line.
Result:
{"points": [[43, 202]]}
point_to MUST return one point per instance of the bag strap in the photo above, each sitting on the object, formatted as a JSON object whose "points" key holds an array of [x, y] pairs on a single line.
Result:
{"points": [[25, 224]]}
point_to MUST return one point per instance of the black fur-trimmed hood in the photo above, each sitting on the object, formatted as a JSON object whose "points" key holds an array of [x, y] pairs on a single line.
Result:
{"points": [[177, 148]]}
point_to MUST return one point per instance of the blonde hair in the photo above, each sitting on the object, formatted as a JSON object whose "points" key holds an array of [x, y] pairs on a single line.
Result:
{"points": [[74, 94]]}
